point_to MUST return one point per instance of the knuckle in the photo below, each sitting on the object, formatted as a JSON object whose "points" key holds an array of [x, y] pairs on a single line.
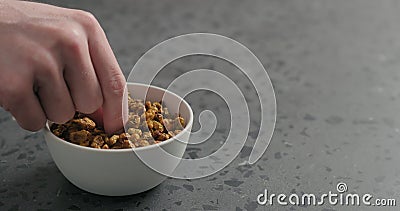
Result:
{"points": [[86, 19], [116, 83], [72, 38], [73, 42]]}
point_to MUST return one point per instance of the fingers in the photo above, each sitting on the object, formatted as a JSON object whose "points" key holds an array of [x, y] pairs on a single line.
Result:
{"points": [[74, 69], [52, 90], [111, 79], [112, 84], [22, 103], [56, 101], [28, 112], [81, 78], [69, 70]]}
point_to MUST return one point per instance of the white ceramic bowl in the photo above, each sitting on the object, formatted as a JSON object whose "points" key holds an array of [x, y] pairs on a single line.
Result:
{"points": [[117, 172]]}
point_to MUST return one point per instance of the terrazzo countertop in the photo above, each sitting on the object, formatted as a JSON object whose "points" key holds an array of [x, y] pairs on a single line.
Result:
{"points": [[335, 69]]}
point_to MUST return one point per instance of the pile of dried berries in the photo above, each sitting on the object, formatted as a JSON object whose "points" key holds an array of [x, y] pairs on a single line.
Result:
{"points": [[149, 123]]}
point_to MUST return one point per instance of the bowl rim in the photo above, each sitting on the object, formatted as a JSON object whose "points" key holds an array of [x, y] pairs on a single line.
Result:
{"points": [[170, 140]]}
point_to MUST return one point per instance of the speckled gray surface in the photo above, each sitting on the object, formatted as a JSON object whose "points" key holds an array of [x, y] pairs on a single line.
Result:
{"points": [[335, 69]]}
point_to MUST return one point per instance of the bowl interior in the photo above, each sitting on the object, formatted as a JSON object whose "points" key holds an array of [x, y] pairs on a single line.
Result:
{"points": [[173, 102]]}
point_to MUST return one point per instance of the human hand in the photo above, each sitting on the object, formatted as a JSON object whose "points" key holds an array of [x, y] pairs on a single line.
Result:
{"points": [[55, 61]]}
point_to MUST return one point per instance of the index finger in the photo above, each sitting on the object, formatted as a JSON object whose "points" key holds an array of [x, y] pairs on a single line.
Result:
{"points": [[111, 79]]}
